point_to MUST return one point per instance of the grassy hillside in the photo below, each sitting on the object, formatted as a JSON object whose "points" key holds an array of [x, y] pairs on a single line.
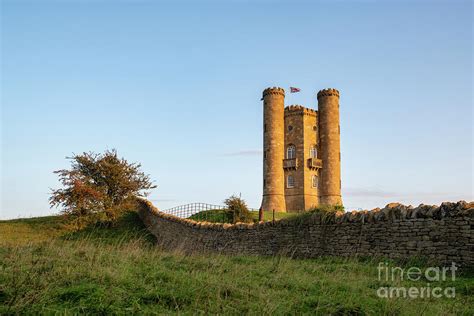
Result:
{"points": [[44, 269]]}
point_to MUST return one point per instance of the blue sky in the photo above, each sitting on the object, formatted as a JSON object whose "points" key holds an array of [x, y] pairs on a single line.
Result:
{"points": [[177, 87]]}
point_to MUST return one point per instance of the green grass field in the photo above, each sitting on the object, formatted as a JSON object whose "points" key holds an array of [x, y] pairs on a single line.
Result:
{"points": [[222, 216], [46, 270]]}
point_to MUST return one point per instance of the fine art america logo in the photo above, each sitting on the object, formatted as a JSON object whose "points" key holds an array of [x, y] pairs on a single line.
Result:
{"points": [[424, 276]]}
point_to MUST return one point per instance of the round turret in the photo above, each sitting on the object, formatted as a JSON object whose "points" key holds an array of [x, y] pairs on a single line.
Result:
{"points": [[273, 146], [330, 148], [274, 90]]}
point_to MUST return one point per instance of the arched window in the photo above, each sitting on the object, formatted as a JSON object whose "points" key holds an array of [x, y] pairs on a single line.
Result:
{"points": [[290, 182], [314, 181], [313, 152], [291, 152]]}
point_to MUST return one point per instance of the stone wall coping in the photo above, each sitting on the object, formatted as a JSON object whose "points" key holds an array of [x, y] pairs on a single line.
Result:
{"points": [[390, 213]]}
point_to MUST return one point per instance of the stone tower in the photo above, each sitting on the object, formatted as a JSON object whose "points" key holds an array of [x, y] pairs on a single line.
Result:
{"points": [[273, 149], [301, 152], [330, 148], [301, 192]]}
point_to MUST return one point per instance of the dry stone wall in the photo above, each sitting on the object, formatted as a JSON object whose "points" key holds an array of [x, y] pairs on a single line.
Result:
{"points": [[442, 233]]}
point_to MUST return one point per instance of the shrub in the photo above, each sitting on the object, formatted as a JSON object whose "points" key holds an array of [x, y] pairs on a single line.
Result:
{"points": [[99, 188], [238, 209]]}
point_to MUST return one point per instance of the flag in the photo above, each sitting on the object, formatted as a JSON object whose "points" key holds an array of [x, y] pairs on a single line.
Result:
{"points": [[294, 90]]}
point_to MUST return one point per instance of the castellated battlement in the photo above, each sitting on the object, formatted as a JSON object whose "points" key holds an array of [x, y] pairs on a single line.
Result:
{"points": [[274, 90], [297, 109], [328, 93]]}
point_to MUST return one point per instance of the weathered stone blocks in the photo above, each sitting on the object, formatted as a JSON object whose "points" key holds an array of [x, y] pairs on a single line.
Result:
{"points": [[443, 234]]}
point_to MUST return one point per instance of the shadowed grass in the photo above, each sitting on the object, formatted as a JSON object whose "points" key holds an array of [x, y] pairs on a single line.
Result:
{"points": [[129, 227], [120, 270]]}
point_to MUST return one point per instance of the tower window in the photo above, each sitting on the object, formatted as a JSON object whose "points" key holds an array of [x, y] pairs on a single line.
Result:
{"points": [[290, 182], [313, 152], [291, 152], [264, 154], [290, 128], [264, 183], [314, 128], [264, 127], [314, 181]]}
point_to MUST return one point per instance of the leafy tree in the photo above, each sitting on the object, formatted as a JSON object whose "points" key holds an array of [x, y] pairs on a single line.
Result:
{"points": [[99, 188], [238, 209]]}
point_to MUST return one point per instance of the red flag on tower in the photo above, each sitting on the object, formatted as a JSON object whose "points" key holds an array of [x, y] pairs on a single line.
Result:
{"points": [[294, 90]]}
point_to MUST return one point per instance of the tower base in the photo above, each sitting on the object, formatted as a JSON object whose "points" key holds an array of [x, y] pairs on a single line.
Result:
{"points": [[275, 202], [330, 200]]}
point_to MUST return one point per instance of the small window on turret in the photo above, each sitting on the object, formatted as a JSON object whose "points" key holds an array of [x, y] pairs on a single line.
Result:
{"points": [[314, 181], [313, 152], [290, 182], [290, 128], [315, 128], [264, 127]]}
